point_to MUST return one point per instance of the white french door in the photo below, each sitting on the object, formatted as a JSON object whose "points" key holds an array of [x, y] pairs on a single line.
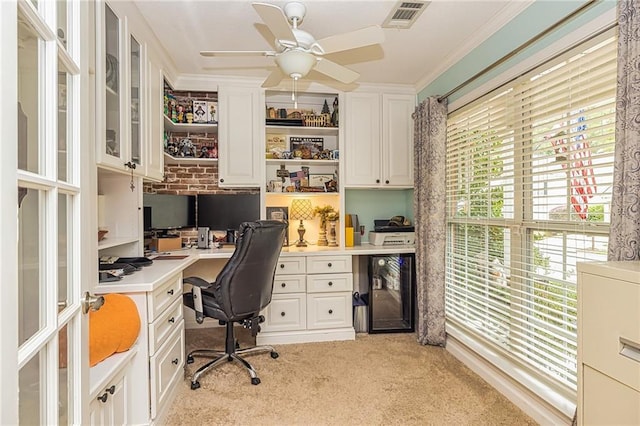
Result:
{"points": [[45, 115]]}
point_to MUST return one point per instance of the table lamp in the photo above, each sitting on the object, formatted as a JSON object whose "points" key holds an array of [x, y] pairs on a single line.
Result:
{"points": [[301, 209]]}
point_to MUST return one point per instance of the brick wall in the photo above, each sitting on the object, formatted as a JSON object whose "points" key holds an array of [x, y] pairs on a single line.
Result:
{"points": [[191, 179]]}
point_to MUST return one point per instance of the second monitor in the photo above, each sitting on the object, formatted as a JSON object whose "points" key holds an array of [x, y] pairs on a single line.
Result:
{"points": [[227, 211]]}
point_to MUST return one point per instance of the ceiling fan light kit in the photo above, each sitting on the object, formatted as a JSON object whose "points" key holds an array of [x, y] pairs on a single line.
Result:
{"points": [[297, 52]]}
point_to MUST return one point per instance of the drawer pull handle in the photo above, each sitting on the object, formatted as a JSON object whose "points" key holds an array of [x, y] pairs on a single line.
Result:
{"points": [[172, 320], [630, 349], [111, 389], [170, 292], [282, 314], [103, 397], [329, 264], [330, 311], [175, 361], [330, 283], [283, 285], [282, 266]]}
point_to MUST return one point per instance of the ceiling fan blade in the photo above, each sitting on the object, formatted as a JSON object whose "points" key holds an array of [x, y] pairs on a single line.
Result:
{"points": [[335, 71], [276, 20], [210, 53], [274, 78], [352, 40]]}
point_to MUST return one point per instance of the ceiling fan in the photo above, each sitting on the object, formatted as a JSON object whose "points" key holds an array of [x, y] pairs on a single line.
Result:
{"points": [[297, 52]]}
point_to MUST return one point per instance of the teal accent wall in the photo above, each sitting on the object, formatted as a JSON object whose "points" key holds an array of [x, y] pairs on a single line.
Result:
{"points": [[529, 23], [370, 204]]}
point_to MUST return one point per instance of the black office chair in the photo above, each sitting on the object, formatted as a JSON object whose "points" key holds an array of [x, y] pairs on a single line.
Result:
{"points": [[241, 290]]}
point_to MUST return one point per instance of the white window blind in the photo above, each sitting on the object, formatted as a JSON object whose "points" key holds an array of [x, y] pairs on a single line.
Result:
{"points": [[529, 174]]}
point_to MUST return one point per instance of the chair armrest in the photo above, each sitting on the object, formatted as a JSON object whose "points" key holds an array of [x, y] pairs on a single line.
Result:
{"points": [[196, 281], [197, 284]]}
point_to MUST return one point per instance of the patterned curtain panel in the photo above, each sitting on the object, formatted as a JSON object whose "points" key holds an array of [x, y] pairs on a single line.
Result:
{"points": [[624, 238], [430, 130]]}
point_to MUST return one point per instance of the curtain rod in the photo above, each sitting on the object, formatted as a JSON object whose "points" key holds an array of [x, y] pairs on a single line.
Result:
{"points": [[520, 48]]}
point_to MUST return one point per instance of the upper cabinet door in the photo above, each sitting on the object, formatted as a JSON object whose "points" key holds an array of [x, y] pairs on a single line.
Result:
{"points": [[362, 140], [136, 104], [109, 84], [240, 133], [397, 139], [155, 142]]}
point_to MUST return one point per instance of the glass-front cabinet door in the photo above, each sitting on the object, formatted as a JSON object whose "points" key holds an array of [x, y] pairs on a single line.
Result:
{"points": [[135, 81], [109, 85]]}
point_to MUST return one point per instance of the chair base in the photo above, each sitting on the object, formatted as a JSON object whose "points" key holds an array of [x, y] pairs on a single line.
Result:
{"points": [[231, 353]]}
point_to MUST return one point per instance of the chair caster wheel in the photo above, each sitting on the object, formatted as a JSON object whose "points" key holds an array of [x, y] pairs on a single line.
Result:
{"points": [[274, 355], [189, 359], [255, 381], [195, 385]]}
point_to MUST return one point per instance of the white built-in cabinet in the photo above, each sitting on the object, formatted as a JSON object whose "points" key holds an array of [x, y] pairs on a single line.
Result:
{"points": [[379, 140], [311, 302], [154, 167], [609, 343], [240, 133], [110, 405], [127, 98]]}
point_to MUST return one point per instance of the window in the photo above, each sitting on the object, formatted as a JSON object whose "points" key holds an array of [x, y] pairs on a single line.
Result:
{"points": [[529, 174]]}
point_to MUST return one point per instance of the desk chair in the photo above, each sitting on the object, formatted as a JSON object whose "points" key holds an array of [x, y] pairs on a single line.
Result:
{"points": [[241, 290]]}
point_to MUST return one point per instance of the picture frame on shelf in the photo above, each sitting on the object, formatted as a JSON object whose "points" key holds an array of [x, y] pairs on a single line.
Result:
{"points": [[319, 179], [306, 147], [199, 111], [276, 146], [281, 214]]}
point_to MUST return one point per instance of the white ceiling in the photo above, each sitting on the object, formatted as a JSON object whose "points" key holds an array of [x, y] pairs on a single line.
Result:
{"points": [[443, 34]]}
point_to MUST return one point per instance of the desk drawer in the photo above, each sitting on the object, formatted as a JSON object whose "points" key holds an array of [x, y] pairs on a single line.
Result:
{"points": [[289, 284], [610, 327], [164, 326], [285, 312], [166, 368], [328, 264], [329, 310], [607, 401], [164, 296], [290, 265], [329, 283]]}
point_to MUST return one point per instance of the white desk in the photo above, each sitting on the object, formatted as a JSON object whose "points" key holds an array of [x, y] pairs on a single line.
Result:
{"points": [[319, 284]]}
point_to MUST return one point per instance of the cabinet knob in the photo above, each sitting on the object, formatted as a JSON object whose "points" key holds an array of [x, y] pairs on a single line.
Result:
{"points": [[329, 264], [175, 361], [330, 283], [170, 292], [283, 285], [282, 266], [111, 389], [103, 397], [172, 320], [386, 181], [377, 180], [282, 314], [221, 180], [330, 311]]}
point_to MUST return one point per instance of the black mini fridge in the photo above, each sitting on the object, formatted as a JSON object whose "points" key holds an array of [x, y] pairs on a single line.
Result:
{"points": [[391, 293]]}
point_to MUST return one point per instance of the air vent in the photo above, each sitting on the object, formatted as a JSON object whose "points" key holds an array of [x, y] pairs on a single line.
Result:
{"points": [[404, 14]]}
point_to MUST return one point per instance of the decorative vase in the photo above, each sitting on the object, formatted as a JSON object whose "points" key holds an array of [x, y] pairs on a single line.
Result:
{"points": [[332, 234], [322, 235]]}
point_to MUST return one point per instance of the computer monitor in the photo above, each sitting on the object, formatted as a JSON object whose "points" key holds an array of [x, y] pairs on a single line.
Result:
{"points": [[168, 211], [227, 211]]}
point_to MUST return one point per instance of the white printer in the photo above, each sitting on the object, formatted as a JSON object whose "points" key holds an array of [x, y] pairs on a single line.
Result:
{"points": [[392, 233]]}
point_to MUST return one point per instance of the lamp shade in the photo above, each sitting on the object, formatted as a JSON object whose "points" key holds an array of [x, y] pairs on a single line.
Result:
{"points": [[301, 209], [296, 63]]}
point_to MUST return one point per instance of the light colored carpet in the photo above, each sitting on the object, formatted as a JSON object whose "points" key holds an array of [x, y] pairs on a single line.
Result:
{"points": [[378, 379]]}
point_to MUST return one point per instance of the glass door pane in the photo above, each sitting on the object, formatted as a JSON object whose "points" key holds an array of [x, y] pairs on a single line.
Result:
{"points": [[112, 76], [30, 311], [30, 391], [63, 123], [28, 106], [62, 29], [135, 101]]}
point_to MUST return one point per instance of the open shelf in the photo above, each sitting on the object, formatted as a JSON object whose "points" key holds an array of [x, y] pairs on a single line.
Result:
{"points": [[189, 127], [169, 159]]}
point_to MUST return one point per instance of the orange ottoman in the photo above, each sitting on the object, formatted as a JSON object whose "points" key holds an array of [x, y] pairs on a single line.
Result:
{"points": [[113, 328]]}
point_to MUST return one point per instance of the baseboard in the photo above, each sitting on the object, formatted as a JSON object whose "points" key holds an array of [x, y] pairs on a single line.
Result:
{"points": [[524, 399], [305, 336]]}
